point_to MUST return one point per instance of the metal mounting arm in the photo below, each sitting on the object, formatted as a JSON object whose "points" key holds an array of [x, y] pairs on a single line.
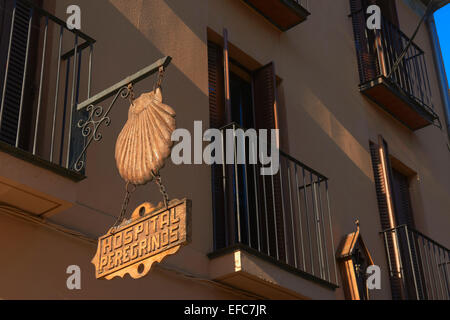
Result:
{"points": [[135, 78]]}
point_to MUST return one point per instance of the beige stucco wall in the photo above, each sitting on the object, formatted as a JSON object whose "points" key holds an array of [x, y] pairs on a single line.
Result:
{"points": [[35, 260], [328, 122]]}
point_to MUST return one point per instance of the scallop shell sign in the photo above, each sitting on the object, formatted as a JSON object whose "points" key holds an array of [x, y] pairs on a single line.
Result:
{"points": [[145, 141], [153, 232]]}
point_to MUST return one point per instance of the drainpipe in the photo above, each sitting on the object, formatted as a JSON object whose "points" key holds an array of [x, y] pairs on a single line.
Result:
{"points": [[439, 62]]}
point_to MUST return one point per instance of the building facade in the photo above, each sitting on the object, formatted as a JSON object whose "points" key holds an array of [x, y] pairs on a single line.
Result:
{"points": [[363, 118]]}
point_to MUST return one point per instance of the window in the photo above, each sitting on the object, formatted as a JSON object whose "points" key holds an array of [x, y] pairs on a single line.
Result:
{"points": [[252, 104], [402, 199], [397, 221], [241, 100], [354, 259]]}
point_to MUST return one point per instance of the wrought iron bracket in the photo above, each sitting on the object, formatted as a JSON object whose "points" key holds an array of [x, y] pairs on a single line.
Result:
{"points": [[98, 116]]}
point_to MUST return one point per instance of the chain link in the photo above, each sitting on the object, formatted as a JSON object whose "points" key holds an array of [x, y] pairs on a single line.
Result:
{"points": [[162, 188], [126, 201], [160, 79], [130, 189], [131, 94]]}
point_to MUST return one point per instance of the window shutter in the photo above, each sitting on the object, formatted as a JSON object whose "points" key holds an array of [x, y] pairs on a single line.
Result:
{"points": [[364, 41], [411, 256], [389, 10], [216, 86], [265, 99], [266, 117], [381, 186], [6, 7], [383, 193], [16, 68], [226, 77], [217, 121], [396, 190], [402, 200]]}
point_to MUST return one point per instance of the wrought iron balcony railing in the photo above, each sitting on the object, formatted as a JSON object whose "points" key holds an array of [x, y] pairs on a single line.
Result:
{"points": [[44, 72], [419, 266], [284, 14], [404, 91], [285, 218]]}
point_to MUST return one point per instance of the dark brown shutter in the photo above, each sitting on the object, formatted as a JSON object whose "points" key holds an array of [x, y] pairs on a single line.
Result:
{"points": [[217, 120], [265, 97], [364, 41], [389, 10], [266, 117], [6, 8], [226, 77], [215, 86], [16, 71], [381, 186], [402, 198], [409, 257], [408, 242], [10, 117]]}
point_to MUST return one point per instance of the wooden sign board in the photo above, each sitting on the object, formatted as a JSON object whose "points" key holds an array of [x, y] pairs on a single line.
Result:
{"points": [[150, 236]]}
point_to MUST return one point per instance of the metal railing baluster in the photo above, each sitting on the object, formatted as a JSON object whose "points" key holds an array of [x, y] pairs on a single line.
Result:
{"points": [[277, 251], [283, 214], [55, 110], [322, 224], [294, 238], [257, 211], [40, 86], [72, 100], [236, 182], [331, 232], [307, 222], [297, 192], [266, 215]]}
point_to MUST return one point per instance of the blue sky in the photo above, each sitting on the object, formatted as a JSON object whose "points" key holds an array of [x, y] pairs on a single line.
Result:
{"points": [[442, 17]]}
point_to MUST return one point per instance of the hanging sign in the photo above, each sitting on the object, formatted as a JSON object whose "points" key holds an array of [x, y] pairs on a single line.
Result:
{"points": [[151, 235]]}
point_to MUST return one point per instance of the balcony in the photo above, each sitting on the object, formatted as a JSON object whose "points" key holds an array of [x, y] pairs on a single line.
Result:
{"points": [[273, 234], [45, 69], [419, 266], [403, 92], [40, 83], [284, 14]]}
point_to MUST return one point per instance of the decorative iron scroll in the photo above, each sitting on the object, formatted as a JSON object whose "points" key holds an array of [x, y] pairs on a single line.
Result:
{"points": [[97, 117]]}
